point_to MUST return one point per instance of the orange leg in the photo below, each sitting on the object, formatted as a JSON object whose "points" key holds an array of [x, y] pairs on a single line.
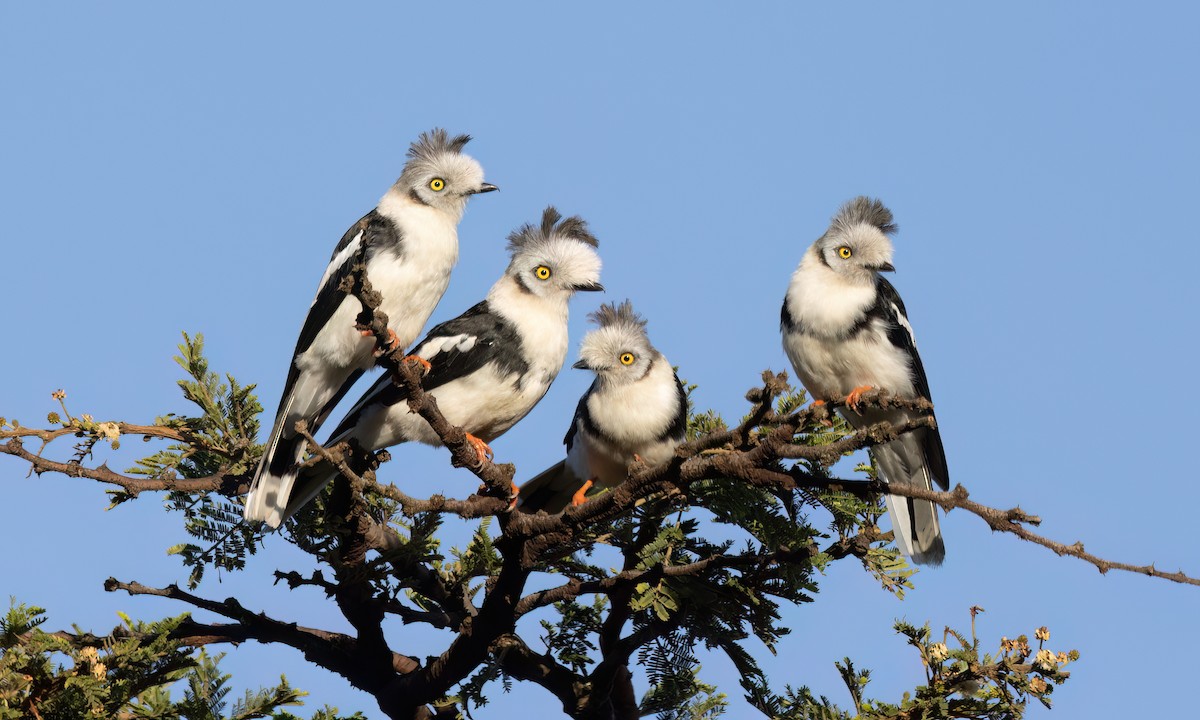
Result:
{"points": [[856, 395], [580, 496], [424, 363], [481, 448], [514, 493], [821, 403], [393, 341]]}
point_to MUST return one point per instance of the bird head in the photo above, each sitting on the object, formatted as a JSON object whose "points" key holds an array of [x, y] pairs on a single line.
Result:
{"points": [[857, 245], [439, 175], [555, 259], [619, 350]]}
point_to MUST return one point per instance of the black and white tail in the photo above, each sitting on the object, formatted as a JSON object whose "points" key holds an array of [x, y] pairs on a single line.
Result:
{"points": [[917, 459], [309, 397]]}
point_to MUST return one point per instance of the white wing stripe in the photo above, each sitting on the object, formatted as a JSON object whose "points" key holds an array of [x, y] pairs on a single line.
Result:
{"points": [[351, 248]]}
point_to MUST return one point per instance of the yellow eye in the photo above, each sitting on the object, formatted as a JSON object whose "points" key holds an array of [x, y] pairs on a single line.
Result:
{"points": [[437, 184], [845, 252], [542, 272], [627, 358]]}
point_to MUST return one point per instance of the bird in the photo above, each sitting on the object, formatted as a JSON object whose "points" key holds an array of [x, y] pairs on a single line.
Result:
{"points": [[845, 331], [489, 366], [635, 410], [409, 245]]}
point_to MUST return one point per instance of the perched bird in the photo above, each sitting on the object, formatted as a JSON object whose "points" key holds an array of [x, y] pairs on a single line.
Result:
{"points": [[636, 409], [490, 365], [409, 244], [845, 331]]}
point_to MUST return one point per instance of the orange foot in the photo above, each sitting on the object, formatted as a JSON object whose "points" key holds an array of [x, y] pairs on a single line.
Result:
{"points": [[513, 493], [481, 448], [580, 496], [855, 396], [424, 363], [821, 403], [393, 341]]}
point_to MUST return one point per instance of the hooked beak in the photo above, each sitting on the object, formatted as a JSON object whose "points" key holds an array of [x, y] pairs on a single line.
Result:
{"points": [[581, 365], [886, 267], [588, 287], [485, 187]]}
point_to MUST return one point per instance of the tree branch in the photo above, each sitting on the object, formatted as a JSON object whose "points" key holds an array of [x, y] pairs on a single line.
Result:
{"points": [[333, 651], [229, 485]]}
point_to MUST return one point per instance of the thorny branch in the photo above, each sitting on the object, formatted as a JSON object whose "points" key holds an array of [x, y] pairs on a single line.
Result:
{"points": [[226, 484], [750, 453]]}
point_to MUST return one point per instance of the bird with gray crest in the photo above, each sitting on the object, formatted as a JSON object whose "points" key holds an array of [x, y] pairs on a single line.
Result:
{"points": [[489, 366], [409, 245], [846, 331], [635, 410]]}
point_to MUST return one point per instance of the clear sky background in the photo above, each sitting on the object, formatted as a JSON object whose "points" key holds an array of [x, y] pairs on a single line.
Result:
{"points": [[165, 168]]}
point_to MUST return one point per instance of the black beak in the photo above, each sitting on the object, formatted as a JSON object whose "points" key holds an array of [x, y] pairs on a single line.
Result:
{"points": [[581, 365], [886, 267], [486, 187], [588, 287]]}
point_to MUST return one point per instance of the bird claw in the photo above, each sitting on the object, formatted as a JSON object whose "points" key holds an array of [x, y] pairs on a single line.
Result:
{"points": [[426, 367], [481, 448], [580, 496], [821, 404], [514, 493], [392, 344], [855, 396]]}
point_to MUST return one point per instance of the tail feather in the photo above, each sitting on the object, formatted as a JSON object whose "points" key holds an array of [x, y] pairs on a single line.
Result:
{"points": [[550, 490], [273, 482], [914, 522], [309, 483], [308, 398]]}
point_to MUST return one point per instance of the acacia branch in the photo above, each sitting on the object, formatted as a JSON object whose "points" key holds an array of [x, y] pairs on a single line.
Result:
{"points": [[519, 661], [1015, 521], [223, 483], [333, 651], [630, 578]]}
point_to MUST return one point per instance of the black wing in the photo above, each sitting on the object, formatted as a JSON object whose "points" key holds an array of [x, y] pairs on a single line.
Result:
{"points": [[678, 426], [496, 341], [890, 308], [581, 414], [484, 337], [375, 229], [786, 321]]}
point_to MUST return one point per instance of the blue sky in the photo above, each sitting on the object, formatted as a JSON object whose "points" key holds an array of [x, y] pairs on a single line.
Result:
{"points": [[165, 168]]}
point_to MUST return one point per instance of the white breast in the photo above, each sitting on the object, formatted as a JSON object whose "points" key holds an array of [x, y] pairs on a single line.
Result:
{"points": [[829, 360], [411, 280], [541, 324], [830, 368], [633, 416], [822, 302]]}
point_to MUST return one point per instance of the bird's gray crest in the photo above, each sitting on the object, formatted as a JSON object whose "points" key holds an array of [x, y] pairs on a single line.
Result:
{"points": [[431, 144], [553, 225], [611, 314], [863, 210]]}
